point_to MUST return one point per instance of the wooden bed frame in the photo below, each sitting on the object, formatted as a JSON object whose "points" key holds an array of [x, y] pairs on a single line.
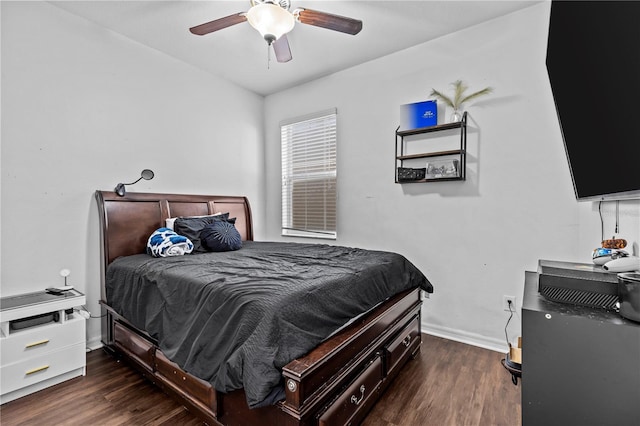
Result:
{"points": [[338, 382]]}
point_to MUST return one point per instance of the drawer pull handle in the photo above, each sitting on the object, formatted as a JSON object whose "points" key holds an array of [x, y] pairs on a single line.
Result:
{"points": [[355, 400], [407, 341], [35, 370], [38, 343]]}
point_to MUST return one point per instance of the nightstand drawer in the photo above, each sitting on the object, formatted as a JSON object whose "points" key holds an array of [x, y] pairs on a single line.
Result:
{"points": [[41, 367], [35, 341]]}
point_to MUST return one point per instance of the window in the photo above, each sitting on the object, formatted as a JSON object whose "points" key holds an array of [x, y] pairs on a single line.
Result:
{"points": [[309, 175]]}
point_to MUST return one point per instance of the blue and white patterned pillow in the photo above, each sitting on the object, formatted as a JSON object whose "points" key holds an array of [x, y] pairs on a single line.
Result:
{"points": [[164, 243], [220, 236]]}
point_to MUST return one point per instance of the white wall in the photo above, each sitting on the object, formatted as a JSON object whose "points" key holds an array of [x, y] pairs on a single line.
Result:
{"points": [[84, 108], [473, 239]]}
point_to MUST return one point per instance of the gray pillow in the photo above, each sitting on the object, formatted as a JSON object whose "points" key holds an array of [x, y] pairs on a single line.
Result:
{"points": [[191, 227]]}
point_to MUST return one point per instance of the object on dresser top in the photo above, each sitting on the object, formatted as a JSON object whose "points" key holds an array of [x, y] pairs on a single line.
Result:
{"points": [[601, 255], [629, 293], [614, 243], [623, 264], [577, 283]]}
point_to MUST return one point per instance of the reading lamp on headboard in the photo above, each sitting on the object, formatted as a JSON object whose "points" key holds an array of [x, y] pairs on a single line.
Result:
{"points": [[146, 175]]}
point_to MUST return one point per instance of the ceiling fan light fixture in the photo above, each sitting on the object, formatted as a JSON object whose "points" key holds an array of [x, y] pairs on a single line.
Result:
{"points": [[271, 20]]}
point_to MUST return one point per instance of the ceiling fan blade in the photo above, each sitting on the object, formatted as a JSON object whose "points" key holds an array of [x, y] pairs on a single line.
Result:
{"points": [[282, 49], [327, 20], [218, 24]]}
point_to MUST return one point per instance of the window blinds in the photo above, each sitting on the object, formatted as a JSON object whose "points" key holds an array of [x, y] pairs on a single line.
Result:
{"points": [[309, 175]]}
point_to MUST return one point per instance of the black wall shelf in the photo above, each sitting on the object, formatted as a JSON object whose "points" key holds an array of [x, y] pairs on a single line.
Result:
{"points": [[460, 154]]}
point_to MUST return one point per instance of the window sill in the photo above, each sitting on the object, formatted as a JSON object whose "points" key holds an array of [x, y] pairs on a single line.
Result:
{"points": [[304, 234]]}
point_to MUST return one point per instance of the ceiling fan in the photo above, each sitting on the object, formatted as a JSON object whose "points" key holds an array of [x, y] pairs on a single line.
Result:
{"points": [[273, 20]]}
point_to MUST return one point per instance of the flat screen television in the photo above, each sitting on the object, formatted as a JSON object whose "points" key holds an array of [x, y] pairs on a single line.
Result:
{"points": [[593, 61]]}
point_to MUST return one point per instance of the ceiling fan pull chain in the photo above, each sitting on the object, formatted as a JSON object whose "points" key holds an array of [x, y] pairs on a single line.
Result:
{"points": [[268, 57]]}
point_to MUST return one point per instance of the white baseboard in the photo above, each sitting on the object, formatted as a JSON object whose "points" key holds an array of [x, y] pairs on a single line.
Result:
{"points": [[492, 344], [496, 345], [94, 343]]}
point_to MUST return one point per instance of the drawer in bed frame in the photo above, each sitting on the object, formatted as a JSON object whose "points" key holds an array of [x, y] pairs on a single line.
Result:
{"points": [[403, 346], [139, 349], [319, 386], [173, 376], [352, 404]]}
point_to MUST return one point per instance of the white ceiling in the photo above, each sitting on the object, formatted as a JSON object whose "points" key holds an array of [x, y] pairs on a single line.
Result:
{"points": [[239, 54]]}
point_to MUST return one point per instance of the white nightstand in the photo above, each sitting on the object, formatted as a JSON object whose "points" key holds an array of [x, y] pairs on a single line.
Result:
{"points": [[40, 343]]}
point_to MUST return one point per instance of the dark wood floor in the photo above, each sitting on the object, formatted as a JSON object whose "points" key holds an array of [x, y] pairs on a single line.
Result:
{"points": [[458, 385]]}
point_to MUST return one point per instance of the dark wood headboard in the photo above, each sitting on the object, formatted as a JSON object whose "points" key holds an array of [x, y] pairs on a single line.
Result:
{"points": [[127, 222]]}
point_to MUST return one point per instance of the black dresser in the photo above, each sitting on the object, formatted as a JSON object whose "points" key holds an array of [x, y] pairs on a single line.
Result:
{"points": [[580, 365]]}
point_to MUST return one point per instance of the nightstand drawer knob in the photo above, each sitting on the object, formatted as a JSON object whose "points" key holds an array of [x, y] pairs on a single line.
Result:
{"points": [[35, 370], [38, 343]]}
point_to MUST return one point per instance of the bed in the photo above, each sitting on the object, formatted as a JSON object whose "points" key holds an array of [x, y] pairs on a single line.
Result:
{"points": [[319, 374]]}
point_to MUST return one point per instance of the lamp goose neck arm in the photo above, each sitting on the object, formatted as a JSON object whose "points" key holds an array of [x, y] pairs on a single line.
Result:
{"points": [[146, 174]]}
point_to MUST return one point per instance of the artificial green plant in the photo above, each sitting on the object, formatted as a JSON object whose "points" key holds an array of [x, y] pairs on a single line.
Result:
{"points": [[459, 97]]}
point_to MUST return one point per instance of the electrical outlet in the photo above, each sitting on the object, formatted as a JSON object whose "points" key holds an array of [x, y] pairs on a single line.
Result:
{"points": [[505, 303]]}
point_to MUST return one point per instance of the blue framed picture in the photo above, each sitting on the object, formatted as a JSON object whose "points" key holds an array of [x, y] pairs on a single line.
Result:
{"points": [[418, 115]]}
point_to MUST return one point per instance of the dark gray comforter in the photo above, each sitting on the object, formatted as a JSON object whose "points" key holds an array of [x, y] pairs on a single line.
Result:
{"points": [[236, 318]]}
